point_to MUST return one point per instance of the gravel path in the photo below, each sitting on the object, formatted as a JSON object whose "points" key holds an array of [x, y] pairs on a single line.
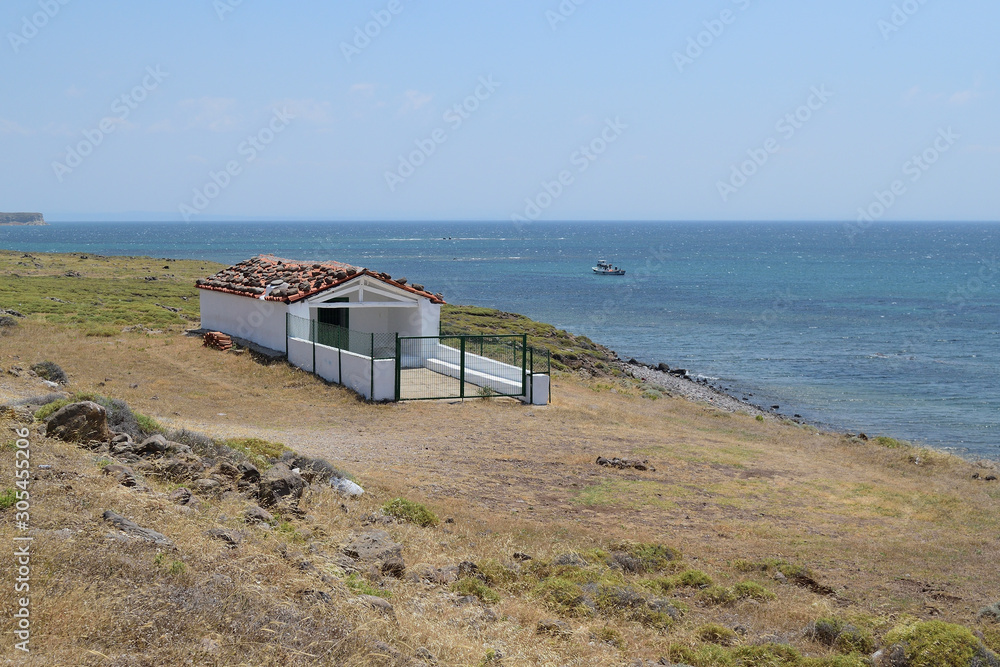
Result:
{"points": [[691, 390]]}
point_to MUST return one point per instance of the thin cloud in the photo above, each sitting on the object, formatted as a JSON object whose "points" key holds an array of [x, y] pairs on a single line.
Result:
{"points": [[216, 114], [10, 127], [414, 100]]}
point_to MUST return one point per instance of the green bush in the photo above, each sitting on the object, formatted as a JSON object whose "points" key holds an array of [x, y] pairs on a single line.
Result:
{"points": [[7, 499], [410, 512], [51, 372], [562, 596], [939, 644], [476, 587], [713, 633]]}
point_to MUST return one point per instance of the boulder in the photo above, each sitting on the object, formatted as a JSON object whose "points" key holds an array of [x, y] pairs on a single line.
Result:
{"points": [[154, 444], [346, 487], [279, 483], [231, 538], [79, 422], [255, 514], [134, 530], [249, 472], [207, 485], [123, 474], [373, 546]]}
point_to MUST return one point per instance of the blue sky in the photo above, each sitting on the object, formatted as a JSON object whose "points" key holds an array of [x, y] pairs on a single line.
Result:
{"points": [[635, 109]]}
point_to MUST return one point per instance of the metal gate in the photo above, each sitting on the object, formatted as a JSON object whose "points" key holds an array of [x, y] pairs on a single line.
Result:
{"points": [[461, 366]]}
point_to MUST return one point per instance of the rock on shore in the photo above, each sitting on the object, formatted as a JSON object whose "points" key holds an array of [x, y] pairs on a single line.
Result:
{"points": [[684, 386]]}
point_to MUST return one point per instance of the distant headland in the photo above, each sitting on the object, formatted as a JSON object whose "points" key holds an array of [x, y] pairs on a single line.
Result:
{"points": [[22, 219]]}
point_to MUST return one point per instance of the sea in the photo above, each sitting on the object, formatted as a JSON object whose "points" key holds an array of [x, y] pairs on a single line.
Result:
{"points": [[886, 329]]}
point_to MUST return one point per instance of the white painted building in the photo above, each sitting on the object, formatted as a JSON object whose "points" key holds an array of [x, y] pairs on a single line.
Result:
{"points": [[355, 327], [251, 300]]}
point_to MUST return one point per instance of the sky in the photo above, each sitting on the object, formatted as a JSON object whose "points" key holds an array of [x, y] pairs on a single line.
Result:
{"points": [[500, 109]]}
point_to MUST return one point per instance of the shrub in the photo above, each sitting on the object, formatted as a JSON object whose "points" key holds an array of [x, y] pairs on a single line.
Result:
{"points": [[562, 596], [651, 557], [752, 590], [476, 587], [51, 372], [990, 612], [7, 322], [741, 591], [713, 633], [938, 644], [259, 452], [7, 499], [410, 512], [611, 636]]}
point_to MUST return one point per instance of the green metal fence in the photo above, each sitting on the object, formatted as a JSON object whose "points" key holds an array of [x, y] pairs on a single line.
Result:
{"points": [[466, 366], [429, 367], [375, 345]]}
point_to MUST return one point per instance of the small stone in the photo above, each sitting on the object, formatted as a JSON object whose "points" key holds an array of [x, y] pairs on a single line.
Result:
{"points": [[255, 514], [231, 538], [553, 628]]}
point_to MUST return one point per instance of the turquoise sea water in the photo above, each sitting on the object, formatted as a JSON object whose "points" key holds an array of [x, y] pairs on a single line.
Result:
{"points": [[890, 329]]}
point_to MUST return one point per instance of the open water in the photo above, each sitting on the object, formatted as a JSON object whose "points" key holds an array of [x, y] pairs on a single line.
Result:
{"points": [[890, 329]]}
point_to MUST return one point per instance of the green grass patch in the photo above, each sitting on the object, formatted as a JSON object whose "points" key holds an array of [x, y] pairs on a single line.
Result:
{"points": [[359, 586], [476, 587], [713, 633], [7, 499], [631, 494], [411, 512], [260, 452], [563, 596]]}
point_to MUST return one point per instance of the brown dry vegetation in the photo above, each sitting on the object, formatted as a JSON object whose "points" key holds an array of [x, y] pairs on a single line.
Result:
{"points": [[894, 532]]}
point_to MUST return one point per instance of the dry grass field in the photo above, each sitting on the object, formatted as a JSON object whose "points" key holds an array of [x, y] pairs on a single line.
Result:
{"points": [[777, 525]]}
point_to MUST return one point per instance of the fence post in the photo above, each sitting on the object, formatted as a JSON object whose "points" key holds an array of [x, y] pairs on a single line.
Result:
{"points": [[461, 368], [340, 366], [372, 352], [548, 363], [399, 368], [287, 315], [313, 336], [524, 364]]}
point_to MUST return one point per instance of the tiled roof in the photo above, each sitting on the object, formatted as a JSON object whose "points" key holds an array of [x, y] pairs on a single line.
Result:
{"points": [[292, 281]]}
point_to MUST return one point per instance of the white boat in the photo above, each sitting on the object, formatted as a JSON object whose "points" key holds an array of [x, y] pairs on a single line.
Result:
{"points": [[605, 268]]}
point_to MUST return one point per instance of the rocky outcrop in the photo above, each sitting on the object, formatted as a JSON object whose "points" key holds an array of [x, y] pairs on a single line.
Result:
{"points": [[79, 422], [280, 483]]}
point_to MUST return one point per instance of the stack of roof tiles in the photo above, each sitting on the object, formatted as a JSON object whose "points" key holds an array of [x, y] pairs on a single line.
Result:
{"points": [[218, 340], [276, 279]]}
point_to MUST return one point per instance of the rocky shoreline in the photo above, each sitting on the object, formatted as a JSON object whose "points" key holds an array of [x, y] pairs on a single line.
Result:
{"points": [[679, 382]]}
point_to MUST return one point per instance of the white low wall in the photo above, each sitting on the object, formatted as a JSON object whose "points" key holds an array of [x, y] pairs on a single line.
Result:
{"points": [[300, 354], [351, 370], [476, 363], [354, 371]]}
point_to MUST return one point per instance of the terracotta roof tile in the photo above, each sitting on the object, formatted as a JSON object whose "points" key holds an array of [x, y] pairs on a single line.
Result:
{"points": [[292, 281]]}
